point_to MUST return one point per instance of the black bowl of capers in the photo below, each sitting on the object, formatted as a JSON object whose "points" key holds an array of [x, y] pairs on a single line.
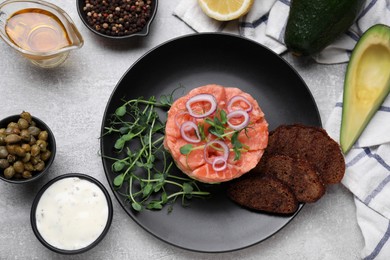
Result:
{"points": [[27, 148]]}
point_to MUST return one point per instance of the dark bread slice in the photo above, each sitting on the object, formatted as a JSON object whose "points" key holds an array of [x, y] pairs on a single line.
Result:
{"points": [[298, 174], [263, 193], [312, 144]]}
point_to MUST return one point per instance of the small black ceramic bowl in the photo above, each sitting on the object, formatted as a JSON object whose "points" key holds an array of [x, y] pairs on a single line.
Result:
{"points": [[112, 20], [64, 207], [51, 146]]}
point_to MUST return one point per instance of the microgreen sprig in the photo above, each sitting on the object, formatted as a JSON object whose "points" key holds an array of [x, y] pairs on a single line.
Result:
{"points": [[143, 168], [220, 130]]}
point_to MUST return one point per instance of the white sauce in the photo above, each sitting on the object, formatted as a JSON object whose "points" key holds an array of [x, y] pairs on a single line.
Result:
{"points": [[72, 213]]}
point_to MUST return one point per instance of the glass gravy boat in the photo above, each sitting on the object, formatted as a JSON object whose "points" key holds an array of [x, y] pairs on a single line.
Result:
{"points": [[33, 37]]}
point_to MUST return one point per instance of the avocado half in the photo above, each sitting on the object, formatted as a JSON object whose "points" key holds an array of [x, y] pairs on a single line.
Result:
{"points": [[367, 83]]}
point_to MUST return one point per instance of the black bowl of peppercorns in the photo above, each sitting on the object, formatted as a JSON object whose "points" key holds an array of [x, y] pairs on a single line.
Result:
{"points": [[117, 19]]}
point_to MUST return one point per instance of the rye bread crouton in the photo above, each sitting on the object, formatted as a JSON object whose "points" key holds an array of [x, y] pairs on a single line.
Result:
{"points": [[298, 174], [263, 193], [312, 144]]}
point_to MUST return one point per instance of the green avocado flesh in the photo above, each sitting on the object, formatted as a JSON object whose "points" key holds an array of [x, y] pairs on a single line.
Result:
{"points": [[314, 24], [367, 83]]}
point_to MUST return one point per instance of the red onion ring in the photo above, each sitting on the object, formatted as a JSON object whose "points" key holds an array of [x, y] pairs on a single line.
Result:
{"points": [[219, 160], [187, 126], [202, 98], [238, 113], [220, 143], [234, 99]]}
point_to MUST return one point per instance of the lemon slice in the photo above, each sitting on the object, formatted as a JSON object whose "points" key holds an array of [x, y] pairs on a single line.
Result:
{"points": [[225, 10]]}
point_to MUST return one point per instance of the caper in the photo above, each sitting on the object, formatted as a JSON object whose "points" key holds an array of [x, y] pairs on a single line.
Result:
{"points": [[28, 166], [43, 135], [3, 152], [11, 158], [42, 145], [12, 130], [26, 147], [19, 151], [27, 116], [25, 135], [35, 150], [12, 138], [39, 166], [27, 174], [11, 148], [45, 155], [9, 172], [35, 160], [34, 130], [33, 140], [27, 157], [23, 123], [12, 125], [2, 139], [4, 163], [19, 166]]}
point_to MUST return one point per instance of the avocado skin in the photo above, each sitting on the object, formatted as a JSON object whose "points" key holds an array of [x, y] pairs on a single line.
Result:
{"points": [[314, 24]]}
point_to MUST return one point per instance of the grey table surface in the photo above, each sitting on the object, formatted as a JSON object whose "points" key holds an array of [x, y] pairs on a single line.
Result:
{"points": [[71, 99]]}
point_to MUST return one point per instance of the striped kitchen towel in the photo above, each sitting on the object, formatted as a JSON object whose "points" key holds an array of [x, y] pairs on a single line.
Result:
{"points": [[266, 21], [368, 178]]}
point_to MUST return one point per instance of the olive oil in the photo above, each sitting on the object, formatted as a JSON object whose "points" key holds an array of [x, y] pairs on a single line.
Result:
{"points": [[37, 30]]}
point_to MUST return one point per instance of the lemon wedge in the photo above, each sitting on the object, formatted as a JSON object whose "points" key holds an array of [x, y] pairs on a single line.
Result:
{"points": [[225, 10]]}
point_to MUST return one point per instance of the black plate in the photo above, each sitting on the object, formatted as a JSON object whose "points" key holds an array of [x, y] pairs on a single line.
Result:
{"points": [[216, 224]]}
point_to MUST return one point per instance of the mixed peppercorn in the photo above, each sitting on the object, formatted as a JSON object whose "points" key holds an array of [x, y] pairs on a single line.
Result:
{"points": [[118, 17]]}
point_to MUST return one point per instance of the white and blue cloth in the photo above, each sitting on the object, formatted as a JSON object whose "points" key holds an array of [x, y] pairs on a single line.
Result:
{"points": [[266, 21], [367, 176], [368, 163]]}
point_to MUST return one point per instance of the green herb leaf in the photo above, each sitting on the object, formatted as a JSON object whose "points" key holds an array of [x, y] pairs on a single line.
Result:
{"points": [[237, 145], [124, 129], [186, 149], [158, 186], [136, 206], [201, 132], [148, 166], [217, 122], [154, 205], [119, 144], [120, 111], [147, 190], [127, 137], [158, 176], [164, 197], [118, 166], [119, 180], [209, 121], [223, 117], [216, 131], [237, 153], [187, 187]]}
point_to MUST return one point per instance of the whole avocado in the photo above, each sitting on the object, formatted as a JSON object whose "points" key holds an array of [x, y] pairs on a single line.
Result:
{"points": [[314, 24]]}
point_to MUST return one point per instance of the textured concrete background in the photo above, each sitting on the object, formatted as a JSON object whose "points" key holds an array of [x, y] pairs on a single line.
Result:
{"points": [[71, 100]]}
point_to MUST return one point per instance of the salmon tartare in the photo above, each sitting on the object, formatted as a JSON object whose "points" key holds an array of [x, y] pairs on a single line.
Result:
{"points": [[215, 133]]}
